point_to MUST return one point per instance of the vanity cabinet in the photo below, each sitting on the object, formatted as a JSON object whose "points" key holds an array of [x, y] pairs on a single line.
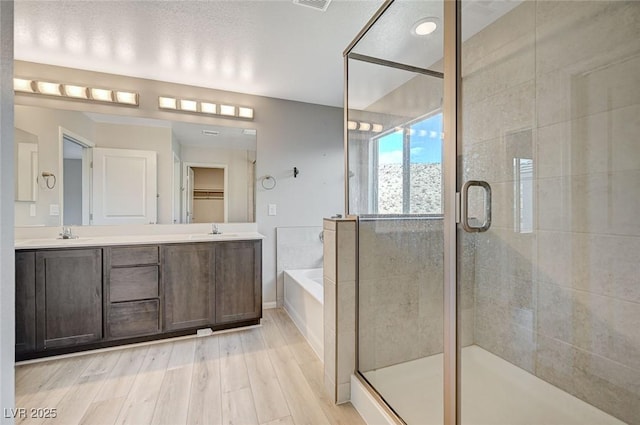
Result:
{"points": [[188, 276], [25, 302], [72, 299], [238, 285], [132, 295], [68, 297]]}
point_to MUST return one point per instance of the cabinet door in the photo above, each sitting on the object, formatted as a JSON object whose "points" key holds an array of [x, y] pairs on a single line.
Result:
{"points": [[68, 297], [25, 302], [188, 278], [238, 281]]}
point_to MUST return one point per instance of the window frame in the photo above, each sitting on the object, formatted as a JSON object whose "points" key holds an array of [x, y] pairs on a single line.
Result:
{"points": [[374, 163]]}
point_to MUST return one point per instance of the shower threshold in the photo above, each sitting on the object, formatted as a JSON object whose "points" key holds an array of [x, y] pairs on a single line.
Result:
{"points": [[494, 391]]}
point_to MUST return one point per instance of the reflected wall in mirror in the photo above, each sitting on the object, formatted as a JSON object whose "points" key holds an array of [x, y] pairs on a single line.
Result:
{"points": [[26, 166], [104, 165]]}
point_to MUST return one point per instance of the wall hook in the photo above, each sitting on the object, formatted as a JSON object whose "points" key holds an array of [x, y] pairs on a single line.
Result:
{"points": [[295, 172]]}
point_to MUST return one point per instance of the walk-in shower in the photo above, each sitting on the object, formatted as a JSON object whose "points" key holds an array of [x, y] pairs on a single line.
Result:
{"points": [[495, 173]]}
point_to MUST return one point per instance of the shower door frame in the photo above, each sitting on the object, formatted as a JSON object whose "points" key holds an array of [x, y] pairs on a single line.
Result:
{"points": [[450, 198]]}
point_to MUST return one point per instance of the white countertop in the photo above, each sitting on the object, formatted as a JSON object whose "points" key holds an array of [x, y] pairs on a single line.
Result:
{"points": [[133, 240]]}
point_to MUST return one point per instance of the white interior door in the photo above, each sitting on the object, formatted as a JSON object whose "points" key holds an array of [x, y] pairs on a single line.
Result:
{"points": [[125, 186], [190, 178]]}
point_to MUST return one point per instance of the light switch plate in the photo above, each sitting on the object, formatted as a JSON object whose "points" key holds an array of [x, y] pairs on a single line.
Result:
{"points": [[54, 209], [32, 210], [272, 209]]}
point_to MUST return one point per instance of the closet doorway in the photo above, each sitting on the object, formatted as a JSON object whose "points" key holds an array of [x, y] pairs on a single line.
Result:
{"points": [[205, 193]]}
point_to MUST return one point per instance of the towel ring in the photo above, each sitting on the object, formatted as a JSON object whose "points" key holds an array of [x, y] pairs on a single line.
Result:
{"points": [[268, 186]]}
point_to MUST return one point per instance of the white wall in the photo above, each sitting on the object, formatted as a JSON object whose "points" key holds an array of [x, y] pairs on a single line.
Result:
{"points": [[45, 124], [309, 137], [7, 281]]}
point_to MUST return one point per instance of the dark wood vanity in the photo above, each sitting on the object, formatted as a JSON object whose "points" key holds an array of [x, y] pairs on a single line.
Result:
{"points": [[79, 298]]}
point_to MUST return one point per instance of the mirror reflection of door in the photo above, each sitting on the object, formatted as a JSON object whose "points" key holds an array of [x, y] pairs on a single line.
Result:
{"points": [[76, 171], [206, 188]]}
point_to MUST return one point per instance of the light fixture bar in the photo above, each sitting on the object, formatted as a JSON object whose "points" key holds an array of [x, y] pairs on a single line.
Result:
{"points": [[364, 126], [205, 107], [75, 91]]}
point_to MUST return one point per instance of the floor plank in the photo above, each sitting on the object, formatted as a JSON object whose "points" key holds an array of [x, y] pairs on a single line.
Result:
{"points": [[76, 401], [238, 408], [267, 395], [302, 403], [261, 375], [233, 370], [102, 412], [119, 382], [205, 404]]}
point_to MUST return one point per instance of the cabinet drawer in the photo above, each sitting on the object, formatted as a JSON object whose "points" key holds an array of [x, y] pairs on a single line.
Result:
{"points": [[133, 283], [133, 319], [127, 256]]}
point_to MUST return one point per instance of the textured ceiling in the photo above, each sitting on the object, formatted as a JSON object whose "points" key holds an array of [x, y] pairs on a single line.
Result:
{"points": [[271, 47], [268, 47]]}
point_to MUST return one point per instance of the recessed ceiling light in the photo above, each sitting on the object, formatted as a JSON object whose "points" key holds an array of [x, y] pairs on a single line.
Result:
{"points": [[425, 26]]}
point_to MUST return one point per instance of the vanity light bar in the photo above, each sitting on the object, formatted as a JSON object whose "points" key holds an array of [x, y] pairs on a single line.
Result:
{"points": [[75, 91], [202, 107], [364, 126]]}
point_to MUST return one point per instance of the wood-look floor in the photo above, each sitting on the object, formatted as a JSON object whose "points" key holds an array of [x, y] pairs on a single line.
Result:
{"points": [[262, 375]]}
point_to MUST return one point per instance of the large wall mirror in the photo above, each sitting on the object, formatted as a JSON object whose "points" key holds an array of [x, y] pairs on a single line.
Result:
{"points": [[84, 168]]}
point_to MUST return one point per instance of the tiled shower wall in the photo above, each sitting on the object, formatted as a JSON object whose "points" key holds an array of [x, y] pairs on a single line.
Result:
{"points": [[401, 290], [559, 82]]}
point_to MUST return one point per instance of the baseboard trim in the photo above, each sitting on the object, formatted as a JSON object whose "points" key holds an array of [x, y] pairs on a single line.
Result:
{"points": [[269, 305]]}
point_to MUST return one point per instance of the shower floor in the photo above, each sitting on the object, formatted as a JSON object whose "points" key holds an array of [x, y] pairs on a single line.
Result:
{"points": [[493, 391]]}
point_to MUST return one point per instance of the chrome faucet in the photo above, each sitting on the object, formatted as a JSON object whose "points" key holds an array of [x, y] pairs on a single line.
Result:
{"points": [[215, 230], [67, 234]]}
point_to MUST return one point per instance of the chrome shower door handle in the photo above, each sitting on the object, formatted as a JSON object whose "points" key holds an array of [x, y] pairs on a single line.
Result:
{"points": [[465, 206]]}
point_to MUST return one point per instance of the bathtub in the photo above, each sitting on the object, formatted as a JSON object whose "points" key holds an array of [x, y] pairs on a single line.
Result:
{"points": [[303, 301]]}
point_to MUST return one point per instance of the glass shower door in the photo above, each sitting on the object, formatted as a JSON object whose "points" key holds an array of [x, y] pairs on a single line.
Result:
{"points": [[549, 298], [395, 172]]}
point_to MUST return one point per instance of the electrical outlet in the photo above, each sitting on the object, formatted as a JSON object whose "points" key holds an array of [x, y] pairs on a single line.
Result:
{"points": [[32, 210], [272, 209], [54, 209]]}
